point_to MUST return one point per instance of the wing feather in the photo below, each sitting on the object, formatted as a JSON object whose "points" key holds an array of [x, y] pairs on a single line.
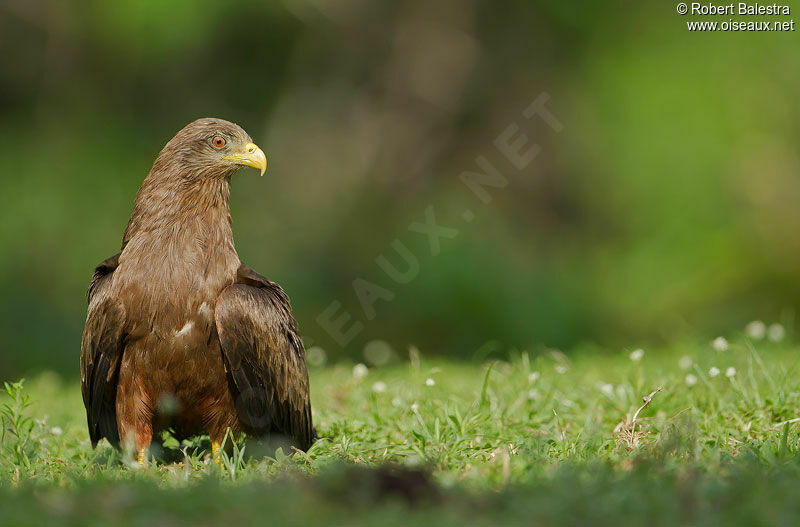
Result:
{"points": [[101, 353], [264, 359]]}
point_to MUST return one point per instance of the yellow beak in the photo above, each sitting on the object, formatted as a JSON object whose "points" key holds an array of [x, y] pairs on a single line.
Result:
{"points": [[252, 156]]}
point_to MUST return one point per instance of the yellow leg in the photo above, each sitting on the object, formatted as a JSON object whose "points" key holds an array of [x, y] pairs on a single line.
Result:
{"points": [[215, 449], [141, 457]]}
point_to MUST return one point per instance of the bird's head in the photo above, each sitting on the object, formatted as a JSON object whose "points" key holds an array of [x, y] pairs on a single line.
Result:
{"points": [[211, 148]]}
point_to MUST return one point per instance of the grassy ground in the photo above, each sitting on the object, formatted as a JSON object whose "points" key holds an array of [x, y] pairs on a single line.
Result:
{"points": [[544, 440]]}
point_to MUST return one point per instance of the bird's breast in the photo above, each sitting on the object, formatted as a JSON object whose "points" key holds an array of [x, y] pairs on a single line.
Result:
{"points": [[170, 283]]}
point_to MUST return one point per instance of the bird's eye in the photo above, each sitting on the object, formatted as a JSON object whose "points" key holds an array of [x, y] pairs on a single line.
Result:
{"points": [[218, 141]]}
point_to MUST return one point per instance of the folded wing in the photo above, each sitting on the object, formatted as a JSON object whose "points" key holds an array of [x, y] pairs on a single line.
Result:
{"points": [[101, 353], [264, 359]]}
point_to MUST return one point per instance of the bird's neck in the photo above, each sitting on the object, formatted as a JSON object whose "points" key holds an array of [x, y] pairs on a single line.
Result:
{"points": [[179, 239], [168, 208]]}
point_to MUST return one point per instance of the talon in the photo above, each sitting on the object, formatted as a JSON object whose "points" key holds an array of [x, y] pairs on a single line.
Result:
{"points": [[141, 457]]}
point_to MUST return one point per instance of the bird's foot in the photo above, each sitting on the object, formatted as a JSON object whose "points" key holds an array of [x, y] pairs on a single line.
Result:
{"points": [[141, 457], [216, 447]]}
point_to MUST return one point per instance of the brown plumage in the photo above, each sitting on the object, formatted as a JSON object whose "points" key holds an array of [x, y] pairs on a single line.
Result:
{"points": [[179, 332]]}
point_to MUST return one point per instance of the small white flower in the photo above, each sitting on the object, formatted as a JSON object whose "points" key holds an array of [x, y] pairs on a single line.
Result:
{"points": [[607, 389], [315, 356], [690, 380], [730, 372], [360, 371], [685, 362], [412, 461], [397, 402], [378, 352], [713, 372], [533, 376], [379, 387], [56, 431], [560, 369], [756, 330], [430, 382], [776, 332], [533, 394], [414, 407], [720, 344], [636, 355]]}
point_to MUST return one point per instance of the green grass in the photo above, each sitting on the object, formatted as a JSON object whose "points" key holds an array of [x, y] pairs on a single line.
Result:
{"points": [[544, 440]]}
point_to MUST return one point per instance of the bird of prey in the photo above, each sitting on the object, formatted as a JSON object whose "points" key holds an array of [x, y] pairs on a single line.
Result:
{"points": [[179, 333]]}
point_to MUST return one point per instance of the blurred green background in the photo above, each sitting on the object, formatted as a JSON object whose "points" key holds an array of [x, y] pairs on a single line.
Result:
{"points": [[666, 208]]}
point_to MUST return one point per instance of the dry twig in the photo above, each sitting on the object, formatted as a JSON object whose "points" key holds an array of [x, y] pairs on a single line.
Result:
{"points": [[626, 432]]}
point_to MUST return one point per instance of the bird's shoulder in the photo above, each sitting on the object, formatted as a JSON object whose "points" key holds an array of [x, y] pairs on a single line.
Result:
{"points": [[101, 276], [245, 275], [259, 300]]}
